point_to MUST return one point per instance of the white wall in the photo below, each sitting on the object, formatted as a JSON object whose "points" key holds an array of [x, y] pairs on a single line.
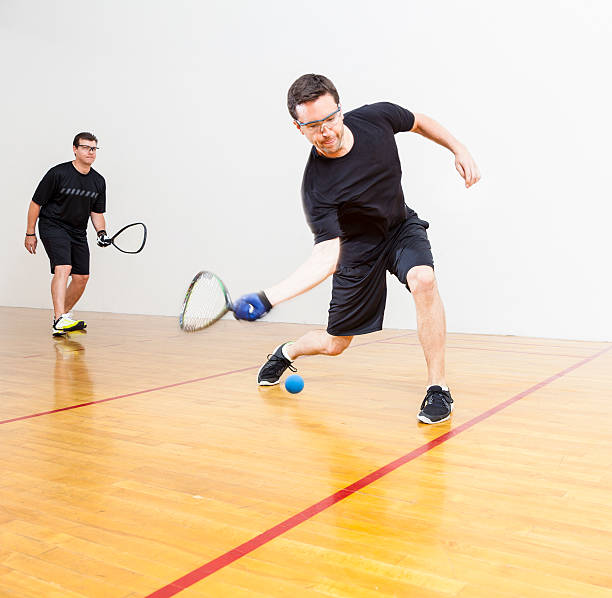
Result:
{"points": [[188, 101]]}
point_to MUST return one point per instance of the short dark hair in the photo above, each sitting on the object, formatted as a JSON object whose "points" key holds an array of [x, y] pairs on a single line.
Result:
{"points": [[307, 89], [84, 135]]}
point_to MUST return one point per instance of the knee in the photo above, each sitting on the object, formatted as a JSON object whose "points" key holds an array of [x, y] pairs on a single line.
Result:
{"points": [[337, 344], [80, 279], [62, 271], [421, 279]]}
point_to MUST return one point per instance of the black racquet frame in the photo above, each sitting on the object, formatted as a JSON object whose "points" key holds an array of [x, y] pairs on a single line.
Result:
{"points": [[144, 239]]}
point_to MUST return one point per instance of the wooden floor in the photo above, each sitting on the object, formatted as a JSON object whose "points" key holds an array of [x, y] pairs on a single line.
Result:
{"points": [[140, 461]]}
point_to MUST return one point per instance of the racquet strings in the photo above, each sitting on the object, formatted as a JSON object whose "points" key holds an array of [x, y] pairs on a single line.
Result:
{"points": [[205, 302], [131, 239]]}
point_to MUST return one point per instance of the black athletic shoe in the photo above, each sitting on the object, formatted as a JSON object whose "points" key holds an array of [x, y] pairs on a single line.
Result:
{"points": [[271, 371], [436, 406]]}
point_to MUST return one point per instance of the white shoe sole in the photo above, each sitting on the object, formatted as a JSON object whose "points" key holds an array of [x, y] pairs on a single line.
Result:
{"points": [[424, 419]]}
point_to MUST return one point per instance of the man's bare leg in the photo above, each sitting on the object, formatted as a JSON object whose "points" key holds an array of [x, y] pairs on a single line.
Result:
{"points": [[75, 290], [58, 289], [431, 321], [318, 342]]}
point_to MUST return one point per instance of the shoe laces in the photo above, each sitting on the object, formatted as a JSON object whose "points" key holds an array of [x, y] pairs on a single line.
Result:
{"points": [[435, 396], [277, 365]]}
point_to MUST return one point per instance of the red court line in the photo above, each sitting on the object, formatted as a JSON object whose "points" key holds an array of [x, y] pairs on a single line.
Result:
{"points": [[392, 342], [507, 340], [140, 392], [129, 394], [234, 554]]}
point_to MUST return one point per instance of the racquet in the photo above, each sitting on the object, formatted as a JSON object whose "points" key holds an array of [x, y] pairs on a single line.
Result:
{"points": [[206, 301], [131, 238]]}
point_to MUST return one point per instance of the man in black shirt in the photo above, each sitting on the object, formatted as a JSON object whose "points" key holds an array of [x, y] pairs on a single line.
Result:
{"points": [[362, 228], [68, 195]]}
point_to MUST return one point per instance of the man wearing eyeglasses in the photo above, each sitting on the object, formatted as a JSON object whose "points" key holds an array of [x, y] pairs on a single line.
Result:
{"points": [[362, 228], [67, 196]]}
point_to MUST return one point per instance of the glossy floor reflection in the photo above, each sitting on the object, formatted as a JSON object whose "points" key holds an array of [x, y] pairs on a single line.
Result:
{"points": [[131, 458]]}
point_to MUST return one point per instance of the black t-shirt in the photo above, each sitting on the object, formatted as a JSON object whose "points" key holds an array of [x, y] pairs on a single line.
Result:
{"points": [[67, 197], [358, 197]]}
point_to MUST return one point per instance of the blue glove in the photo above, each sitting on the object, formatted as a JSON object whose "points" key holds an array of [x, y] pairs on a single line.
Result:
{"points": [[252, 306]]}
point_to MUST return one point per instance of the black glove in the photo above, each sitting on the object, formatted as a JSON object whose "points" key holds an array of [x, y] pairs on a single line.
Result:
{"points": [[103, 240]]}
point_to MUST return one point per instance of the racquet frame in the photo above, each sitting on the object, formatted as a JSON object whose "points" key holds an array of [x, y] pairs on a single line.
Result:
{"points": [[144, 239], [192, 284]]}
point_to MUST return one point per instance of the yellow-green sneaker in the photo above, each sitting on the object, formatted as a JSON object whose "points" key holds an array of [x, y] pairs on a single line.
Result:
{"points": [[83, 323], [65, 324]]}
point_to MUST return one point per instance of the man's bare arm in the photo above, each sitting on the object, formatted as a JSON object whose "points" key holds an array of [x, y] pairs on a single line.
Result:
{"points": [[98, 221], [321, 264], [464, 163], [31, 241]]}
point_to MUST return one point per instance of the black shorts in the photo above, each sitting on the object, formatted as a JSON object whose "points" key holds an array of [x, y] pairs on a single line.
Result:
{"points": [[64, 247], [359, 293]]}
